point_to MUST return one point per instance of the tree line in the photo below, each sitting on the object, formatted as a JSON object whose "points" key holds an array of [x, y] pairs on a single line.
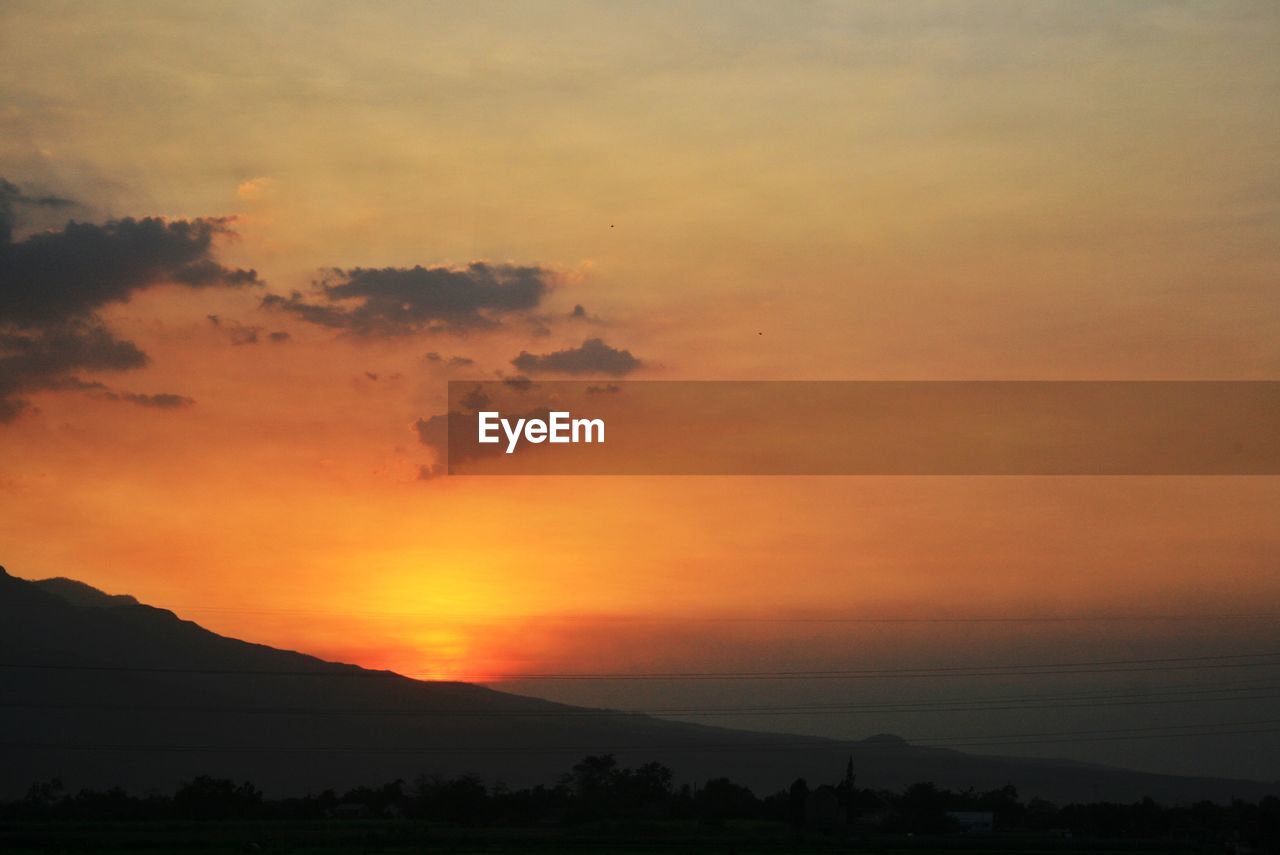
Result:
{"points": [[598, 790]]}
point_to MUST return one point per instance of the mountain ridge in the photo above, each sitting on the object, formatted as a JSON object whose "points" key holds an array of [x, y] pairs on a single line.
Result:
{"points": [[81, 594], [186, 701]]}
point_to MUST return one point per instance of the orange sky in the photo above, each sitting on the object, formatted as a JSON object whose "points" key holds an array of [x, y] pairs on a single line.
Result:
{"points": [[937, 191]]}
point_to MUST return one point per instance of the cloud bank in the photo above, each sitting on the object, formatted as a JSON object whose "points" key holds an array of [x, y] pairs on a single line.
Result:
{"points": [[592, 357], [394, 301], [53, 283]]}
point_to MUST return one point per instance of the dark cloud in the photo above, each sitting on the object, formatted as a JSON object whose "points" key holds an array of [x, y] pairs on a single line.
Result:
{"points": [[240, 334], [53, 283], [98, 389], [12, 198], [397, 300], [520, 384], [433, 432], [580, 313], [475, 400], [611, 389], [46, 359], [593, 357], [10, 408], [279, 336], [452, 361], [71, 273], [45, 356], [11, 194], [160, 400]]}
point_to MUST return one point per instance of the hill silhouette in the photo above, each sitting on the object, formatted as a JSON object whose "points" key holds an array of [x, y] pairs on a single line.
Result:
{"points": [[79, 594], [101, 690]]}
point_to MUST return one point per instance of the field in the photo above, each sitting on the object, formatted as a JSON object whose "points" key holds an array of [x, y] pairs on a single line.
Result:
{"points": [[392, 836]]}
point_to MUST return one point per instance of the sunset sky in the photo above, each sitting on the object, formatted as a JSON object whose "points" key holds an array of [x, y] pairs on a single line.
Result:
{"points": [[987, 190]]}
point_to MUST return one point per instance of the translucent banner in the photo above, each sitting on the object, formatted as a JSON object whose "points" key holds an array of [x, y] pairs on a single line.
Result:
{"points": [[862, 428]]}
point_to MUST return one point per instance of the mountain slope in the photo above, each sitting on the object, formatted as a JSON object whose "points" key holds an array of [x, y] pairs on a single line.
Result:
{"points": [[101, 691]]}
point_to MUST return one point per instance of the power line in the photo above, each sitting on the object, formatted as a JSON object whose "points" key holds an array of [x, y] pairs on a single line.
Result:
{"points": [[982, 743], [1112, 666], [1187, 616], [959, 670], [960, 705], [815, 743]]}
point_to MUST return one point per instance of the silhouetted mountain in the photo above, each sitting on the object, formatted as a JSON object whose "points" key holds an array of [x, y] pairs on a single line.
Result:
{"points": [[80, 594], [133, 695]]}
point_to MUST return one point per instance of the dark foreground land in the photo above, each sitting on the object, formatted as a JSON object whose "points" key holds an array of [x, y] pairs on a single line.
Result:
{"points": [[107, 692], [404, 836], [599, 807]]}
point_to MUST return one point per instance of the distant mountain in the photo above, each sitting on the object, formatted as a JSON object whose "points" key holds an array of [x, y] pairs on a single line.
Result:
{"points": [[80, 594], [100, 690]]}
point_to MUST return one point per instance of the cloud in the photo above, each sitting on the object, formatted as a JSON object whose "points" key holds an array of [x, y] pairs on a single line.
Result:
{"points": [[48, 354], [452, 361], [240, 334], [580, 313], [159, 400], [46, 359], [519, 383], [434, 432], [592, 357], [475, 400], [53, 283], [10, 408], [97, 389], [70, 273], [12, 198], [162, 400], [393, 301]]}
